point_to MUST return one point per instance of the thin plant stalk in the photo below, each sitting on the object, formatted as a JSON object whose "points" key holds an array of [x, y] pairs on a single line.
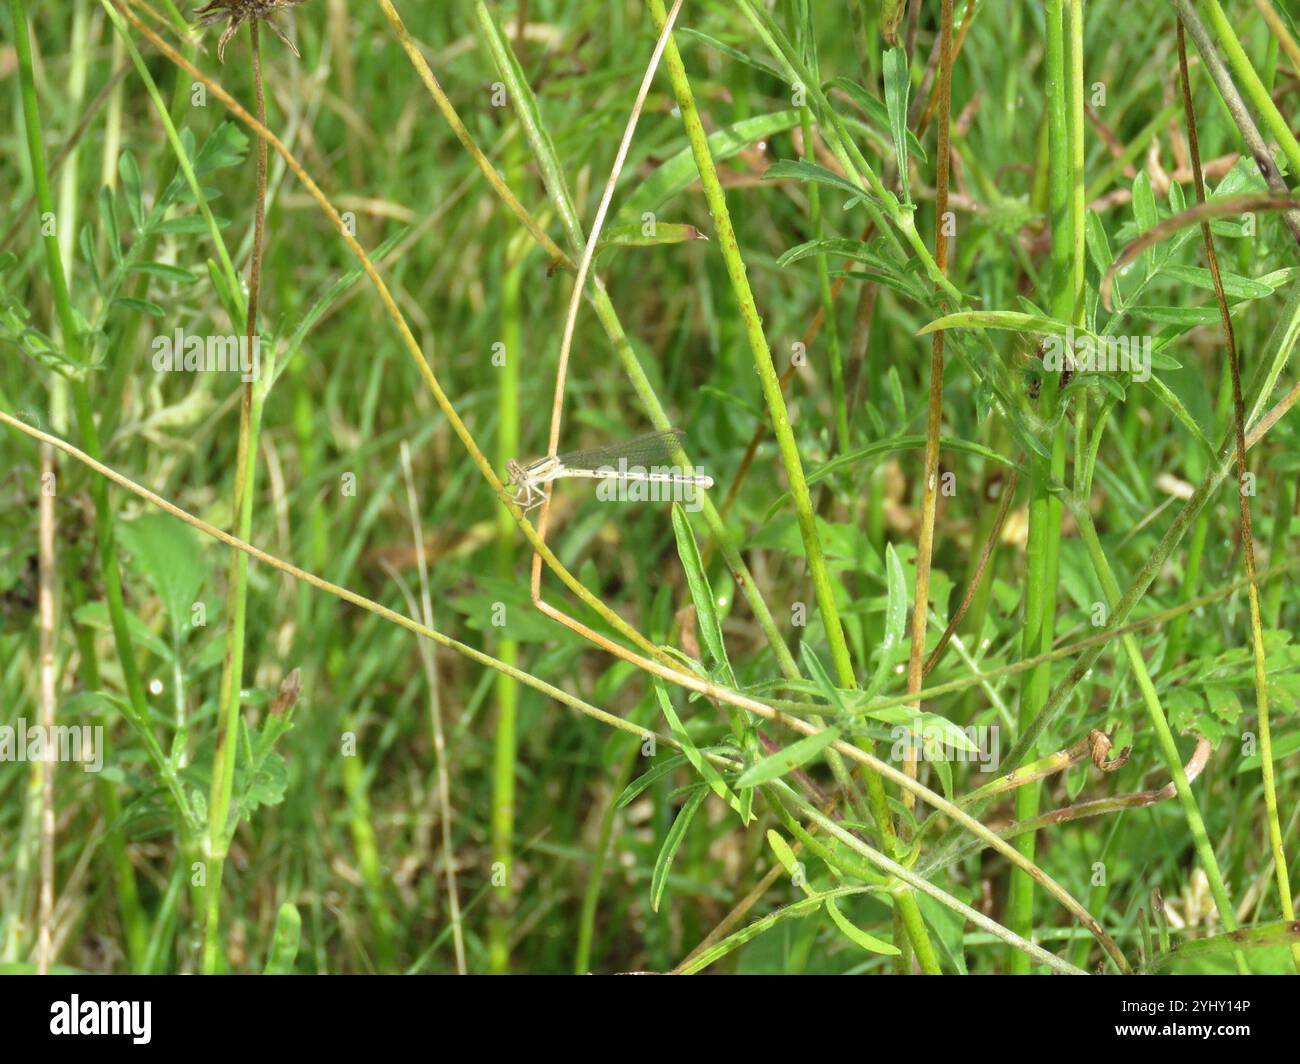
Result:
{"points": [[330, 588], [1251, 84], [127, 895], [507, 690], [601, 303], [787, 446], [1236, 106], [575, 299], [1045, 510], [1164, 734], [824, 291], [762, 354], [1247, 536], [1281, 34], [934, 407], [429, 660], [44, 767], [924, 886], [232, 672]]}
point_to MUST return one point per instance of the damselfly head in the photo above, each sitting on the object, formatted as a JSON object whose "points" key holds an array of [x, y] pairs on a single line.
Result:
{"points": [[514, 471]]}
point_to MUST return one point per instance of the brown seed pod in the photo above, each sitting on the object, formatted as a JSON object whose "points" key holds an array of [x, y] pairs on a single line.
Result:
{"points": [[236, 12]]}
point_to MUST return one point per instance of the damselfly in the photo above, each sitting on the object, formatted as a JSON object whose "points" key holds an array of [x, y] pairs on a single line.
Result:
{"points": [[642, 460]]}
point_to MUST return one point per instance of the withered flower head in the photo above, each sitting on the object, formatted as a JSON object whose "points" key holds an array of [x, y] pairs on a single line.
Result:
{"points": [[290, 689], [236, 12]]}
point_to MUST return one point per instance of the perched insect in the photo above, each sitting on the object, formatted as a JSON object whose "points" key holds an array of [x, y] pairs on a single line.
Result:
{"points": [[626, 461]]}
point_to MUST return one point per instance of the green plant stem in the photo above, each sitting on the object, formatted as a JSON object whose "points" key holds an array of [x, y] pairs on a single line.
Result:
{"points": [[811, 812], [361, 826], [934, 406], [786, 444], [223, 769], [1281, 342], [128, 896], [1164, 734], [178, 150], [735, 267], [134, 922], [1044, 509], [507, 690], [831, 330], [1250, 81], [829, 327], [1282, 518], [1247, 535], [600, 854], [1200, 532], [602, 305]]}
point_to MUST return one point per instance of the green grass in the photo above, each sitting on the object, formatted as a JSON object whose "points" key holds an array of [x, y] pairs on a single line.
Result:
{"points": [[693, 756]]}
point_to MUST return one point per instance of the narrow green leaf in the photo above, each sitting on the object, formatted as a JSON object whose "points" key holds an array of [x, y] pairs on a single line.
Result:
{"points": [[821, 677], [284, 946], [798, 910], [1176, 407], [648, 778], [187, 225], [698, 582], [898, 85], [698, 761], [664, 862], [140, 306], [86, 242], [1098, 242], [130, 174], [876, 110], [783, 852], [1235, 286], [732, 53], [678, 173], [856, 935], [648, 234], [1012, 320], [806, 171], [774, 766], [891, 648], [108, 219], [165, 271]]}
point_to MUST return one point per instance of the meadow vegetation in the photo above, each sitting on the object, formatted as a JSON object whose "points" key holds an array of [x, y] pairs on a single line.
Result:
{"points": [[979, 654]]}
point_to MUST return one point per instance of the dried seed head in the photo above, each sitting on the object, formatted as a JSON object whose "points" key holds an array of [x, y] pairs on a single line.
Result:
{"points": [[290, 689], [236, 12]]}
